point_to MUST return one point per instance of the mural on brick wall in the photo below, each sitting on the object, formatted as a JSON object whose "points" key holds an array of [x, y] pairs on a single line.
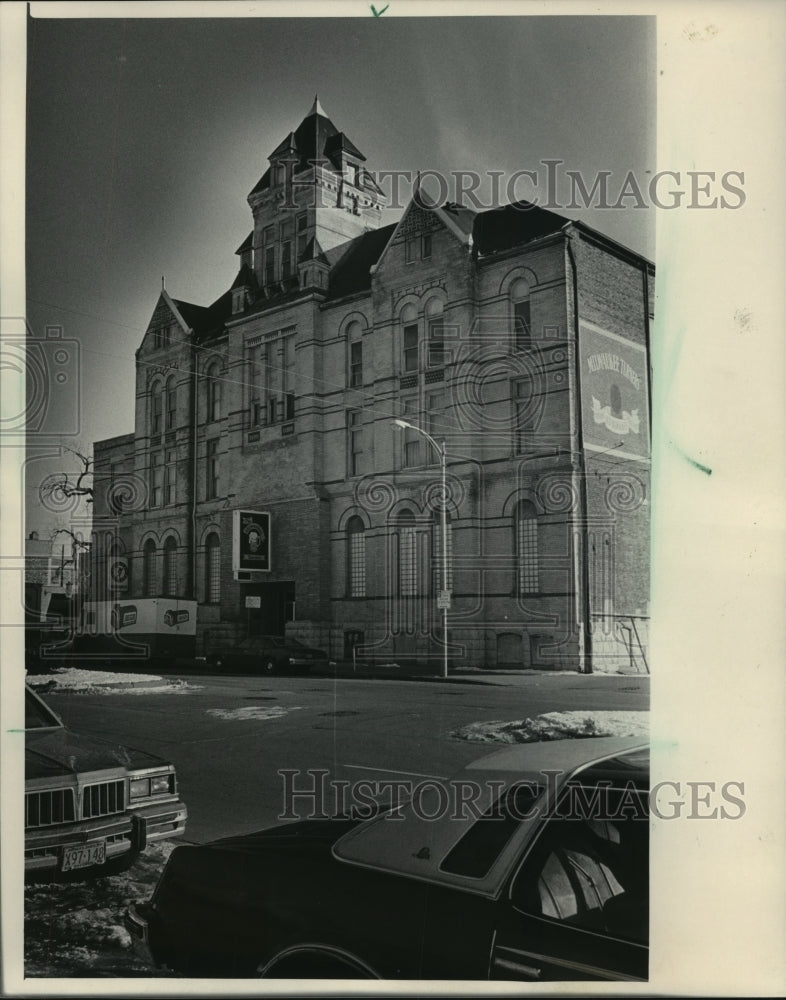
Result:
{"points": [[615, 412]]}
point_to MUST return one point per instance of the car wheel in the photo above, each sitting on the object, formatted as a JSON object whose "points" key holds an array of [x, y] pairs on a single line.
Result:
{"points": [[270, 667]]}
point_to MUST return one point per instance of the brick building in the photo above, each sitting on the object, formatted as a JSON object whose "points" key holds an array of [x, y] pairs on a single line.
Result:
{"points": [[518, 337]]}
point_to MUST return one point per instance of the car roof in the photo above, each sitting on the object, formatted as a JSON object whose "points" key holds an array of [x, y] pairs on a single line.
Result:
{"points": [[416, 846]]}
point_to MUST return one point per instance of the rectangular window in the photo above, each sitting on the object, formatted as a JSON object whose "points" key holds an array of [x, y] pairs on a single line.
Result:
{"points": [[157, 412], [426, 245], [356, 442], [411, 348], [171, 407], [356, 363], [527, 555], [357, 564], [170, 571], [302, 235], [412, 439], [286, 234], [286, 259], [156, 480], [270, 265], [522, 325], [436, 351], [211, 469], [524, 416], [289, 401], [435, 414], [410, 250], [272, 409], [257, 413], [170, 477]]}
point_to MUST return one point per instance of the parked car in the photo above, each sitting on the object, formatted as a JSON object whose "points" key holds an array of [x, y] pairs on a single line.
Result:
{"points": [[545, 878], [269, 654], [90, 806]]}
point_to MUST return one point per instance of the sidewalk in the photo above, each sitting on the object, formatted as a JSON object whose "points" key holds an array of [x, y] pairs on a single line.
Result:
{"points": [[458, 675]]}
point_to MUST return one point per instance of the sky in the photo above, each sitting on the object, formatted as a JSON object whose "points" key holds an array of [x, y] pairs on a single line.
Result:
{"points": [[145, 136]]}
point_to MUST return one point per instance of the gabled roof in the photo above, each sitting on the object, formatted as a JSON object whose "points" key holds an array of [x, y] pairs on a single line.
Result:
{"points": [[352, 273], [245, 278], [313, 251], [456, 218], [339, 141]]}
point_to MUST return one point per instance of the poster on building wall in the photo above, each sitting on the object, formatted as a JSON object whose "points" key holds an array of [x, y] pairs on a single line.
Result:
{"points": [[118, 574], [614, 393], [250, 541]]}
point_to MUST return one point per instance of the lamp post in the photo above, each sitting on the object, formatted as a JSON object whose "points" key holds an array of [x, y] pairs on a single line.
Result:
{"points": [[440, 449]]}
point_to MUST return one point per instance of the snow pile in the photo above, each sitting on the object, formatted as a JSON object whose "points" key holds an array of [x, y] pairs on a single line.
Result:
{"points": [[76, 929], [80, 681], [258, 712], [556, 726]]}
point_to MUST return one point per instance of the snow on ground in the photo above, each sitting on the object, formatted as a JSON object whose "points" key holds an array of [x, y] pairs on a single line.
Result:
{"points": [[253, 712], [80, 681], [76, 929], [556, 726]]}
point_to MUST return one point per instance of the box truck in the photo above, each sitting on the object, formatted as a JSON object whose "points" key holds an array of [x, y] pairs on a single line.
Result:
{"points": [[139, 629]]}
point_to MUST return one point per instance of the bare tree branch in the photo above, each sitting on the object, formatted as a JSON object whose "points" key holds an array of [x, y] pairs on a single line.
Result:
{"points": [[74, 538], [71, 484]]}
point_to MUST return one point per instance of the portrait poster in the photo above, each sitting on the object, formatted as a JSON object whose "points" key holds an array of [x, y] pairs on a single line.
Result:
{"points": [[186, 404]]}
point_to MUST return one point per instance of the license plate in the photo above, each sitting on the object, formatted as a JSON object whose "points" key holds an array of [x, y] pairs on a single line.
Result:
{"points": [[83, 857]]}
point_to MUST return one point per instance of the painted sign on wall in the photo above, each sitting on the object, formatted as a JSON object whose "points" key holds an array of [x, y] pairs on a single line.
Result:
{"points": [[614, 394]]}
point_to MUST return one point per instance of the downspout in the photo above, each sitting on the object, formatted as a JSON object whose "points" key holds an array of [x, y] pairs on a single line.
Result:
{"points": [[586, 666], [192, 531]]}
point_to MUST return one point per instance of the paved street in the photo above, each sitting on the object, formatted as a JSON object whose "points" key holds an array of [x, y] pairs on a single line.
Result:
{"points": [[228, 766]]}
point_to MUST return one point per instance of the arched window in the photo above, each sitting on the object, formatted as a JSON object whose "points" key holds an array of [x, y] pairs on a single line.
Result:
{"points": [[212, 569], [526, 540], [408, 555], [442, 580], [170, 567], [409, 325], [213, 393], [522, 320], [171, 404], [355, 342], [149, 568], [156, 408], [435, 324], [356, 558]]}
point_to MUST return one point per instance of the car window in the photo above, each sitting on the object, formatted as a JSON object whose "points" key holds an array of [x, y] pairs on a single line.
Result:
{"points": [[255, 643], [591, 872], [482, 844]]}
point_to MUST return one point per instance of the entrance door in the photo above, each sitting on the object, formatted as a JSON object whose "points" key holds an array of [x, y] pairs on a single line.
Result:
{"points": [[276, 607]]}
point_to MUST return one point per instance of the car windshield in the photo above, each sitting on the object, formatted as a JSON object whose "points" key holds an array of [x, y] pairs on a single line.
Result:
{"points": [[37, 714], [261, 642]]}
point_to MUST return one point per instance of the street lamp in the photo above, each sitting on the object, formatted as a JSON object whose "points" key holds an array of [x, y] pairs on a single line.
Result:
{"points": [[440, 449]]}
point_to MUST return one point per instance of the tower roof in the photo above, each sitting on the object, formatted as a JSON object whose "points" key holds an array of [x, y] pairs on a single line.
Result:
{"points": [[316, 138]]}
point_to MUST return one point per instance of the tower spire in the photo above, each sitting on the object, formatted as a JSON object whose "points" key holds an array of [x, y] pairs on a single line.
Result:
{"points": [[316, 108]]}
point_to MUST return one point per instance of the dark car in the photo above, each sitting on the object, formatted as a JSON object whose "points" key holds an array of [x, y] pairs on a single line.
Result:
{"points": [[90, 806], [269, 654], [531, 864]]}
